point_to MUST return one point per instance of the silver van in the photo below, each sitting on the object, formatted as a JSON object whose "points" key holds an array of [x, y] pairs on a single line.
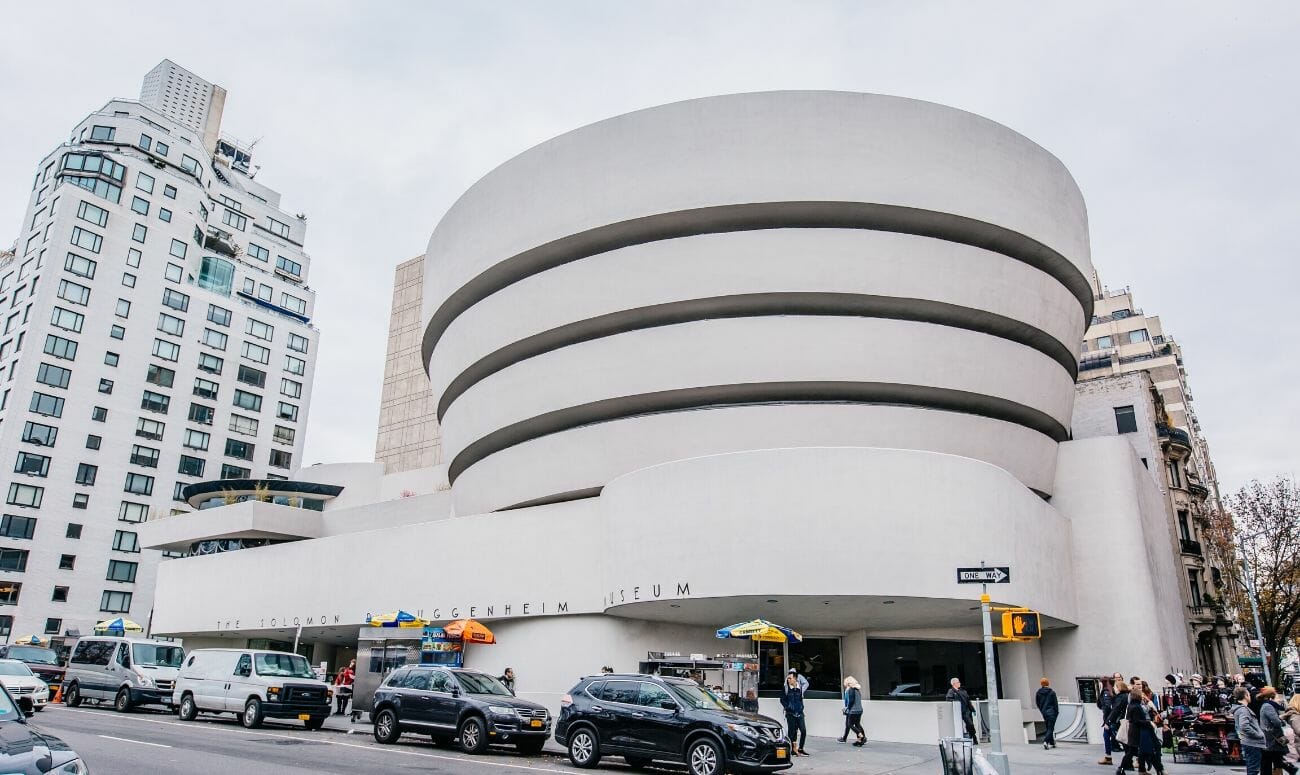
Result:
{"points": [[253, 684], [127, 671]]}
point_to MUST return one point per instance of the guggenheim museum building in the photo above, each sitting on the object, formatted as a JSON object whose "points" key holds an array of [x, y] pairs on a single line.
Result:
{"points": [[790, 355]]}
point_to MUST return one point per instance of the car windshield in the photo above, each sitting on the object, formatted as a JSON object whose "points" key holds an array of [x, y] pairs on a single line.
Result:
{"points": [[287, 665], [698, 697], [14, 668], [480, 683], [151, 655], [34, 654]]}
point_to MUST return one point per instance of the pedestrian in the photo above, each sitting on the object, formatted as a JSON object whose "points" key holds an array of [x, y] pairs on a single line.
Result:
{"points": [[1118, 715], [1291, 717], [1143, 721], [1249, 731], [958, 694], [1106, 703], [750, 703], [803, 682], [508, 678], [606, 670], [343, 686], [1275, 743], [853, 712], [792, 702], [1050, 708]]}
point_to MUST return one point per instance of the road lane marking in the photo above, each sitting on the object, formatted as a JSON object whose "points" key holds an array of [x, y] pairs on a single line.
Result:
{"points": [[314, 737], [137, 742]]}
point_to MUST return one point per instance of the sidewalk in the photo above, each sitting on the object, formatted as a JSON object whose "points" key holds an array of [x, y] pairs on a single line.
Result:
{"points": [[829, 756]]}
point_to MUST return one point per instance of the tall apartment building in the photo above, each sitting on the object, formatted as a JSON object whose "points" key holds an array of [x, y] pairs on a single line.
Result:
{"points": [[408, 435], [1124, 341], [156, 332]]}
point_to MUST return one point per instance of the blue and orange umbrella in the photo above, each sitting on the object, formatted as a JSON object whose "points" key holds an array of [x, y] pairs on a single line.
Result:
{"points": [[396, 619], [760, 630], [118, 626]]}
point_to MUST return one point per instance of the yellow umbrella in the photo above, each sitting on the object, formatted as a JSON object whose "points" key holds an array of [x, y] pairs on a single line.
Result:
{"points": [[760, 629], [30, 640], [396, 619], [118, 626]]}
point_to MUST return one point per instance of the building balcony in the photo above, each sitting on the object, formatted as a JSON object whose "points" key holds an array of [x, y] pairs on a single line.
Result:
{"points": [[1197, 489], [1191, 547], [1201, 613], [249, 523], [1175, 436]]}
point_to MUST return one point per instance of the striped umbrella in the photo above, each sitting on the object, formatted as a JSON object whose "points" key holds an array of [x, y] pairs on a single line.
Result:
{"points": [[30, 640], [761, 629], [395, 619], [118, 626]]}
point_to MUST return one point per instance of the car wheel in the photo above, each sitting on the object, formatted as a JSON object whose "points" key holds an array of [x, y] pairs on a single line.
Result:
{"points": [[189, 711], [584, 748], [637, 762], [531, 746], [704, 758], [122, 702], [386, 727], [72, 697], [314, 723], [252, 716], [473, 735]]}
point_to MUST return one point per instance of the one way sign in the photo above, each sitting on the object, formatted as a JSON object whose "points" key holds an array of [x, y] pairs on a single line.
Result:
{"points": [[984, 575]]}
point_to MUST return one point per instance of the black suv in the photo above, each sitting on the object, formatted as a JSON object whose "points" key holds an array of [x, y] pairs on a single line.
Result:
{"points": [[457, 705], [644, 718]]}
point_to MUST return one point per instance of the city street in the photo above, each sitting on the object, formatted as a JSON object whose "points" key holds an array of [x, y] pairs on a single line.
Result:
{"points": [[156, 742]]}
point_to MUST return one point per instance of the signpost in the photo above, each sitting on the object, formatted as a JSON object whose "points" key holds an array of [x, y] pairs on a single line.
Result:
{"points": [[985, 576]]}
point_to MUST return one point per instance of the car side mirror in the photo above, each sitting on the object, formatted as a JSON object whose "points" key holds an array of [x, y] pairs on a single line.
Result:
{"points": [[26, 706], [668, 705], [455, 690], [244, 672]]}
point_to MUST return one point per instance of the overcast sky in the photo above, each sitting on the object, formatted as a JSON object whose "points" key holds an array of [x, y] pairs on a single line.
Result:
{"points": [[1180, 121]]}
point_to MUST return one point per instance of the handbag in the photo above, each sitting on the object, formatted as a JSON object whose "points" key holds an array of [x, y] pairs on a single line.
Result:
{"points": [[1122, 734]]}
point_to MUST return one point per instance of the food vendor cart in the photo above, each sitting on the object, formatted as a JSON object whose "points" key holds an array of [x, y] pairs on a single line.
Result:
{"points": [[737, 674], [380, 651]]}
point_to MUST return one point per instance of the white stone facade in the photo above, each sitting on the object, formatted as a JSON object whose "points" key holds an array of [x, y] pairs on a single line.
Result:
{"points": [[797, 355], [168, 270], [408, 435]]}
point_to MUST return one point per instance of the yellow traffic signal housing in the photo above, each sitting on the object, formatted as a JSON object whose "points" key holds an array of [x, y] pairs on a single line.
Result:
{"points": [[1021, 625]]}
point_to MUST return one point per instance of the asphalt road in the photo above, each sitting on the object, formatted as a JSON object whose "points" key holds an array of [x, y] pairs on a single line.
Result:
{"points": [[138, 743]]}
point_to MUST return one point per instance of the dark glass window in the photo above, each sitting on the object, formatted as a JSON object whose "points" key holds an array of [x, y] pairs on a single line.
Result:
{"points": [[1125, 419]]}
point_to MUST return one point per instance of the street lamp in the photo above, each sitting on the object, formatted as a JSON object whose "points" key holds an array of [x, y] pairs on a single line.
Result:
{"points": [[1254, 605]]}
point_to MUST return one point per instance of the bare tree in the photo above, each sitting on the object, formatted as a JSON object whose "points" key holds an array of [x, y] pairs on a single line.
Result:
{"points": [[1262, 524]]}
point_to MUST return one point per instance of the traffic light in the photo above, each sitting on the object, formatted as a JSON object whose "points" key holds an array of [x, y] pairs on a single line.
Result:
{"points": [[1021, 625]]}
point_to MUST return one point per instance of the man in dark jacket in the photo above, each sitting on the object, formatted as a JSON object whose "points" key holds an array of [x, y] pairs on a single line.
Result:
{"points": [[958, 694], [1106, 703], [1050, 708]]}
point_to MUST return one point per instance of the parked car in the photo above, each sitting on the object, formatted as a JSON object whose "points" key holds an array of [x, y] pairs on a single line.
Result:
{"points": [[44, 662], [127, 671], [906, 690], [27, 751], [20, 681], [457, 705], [647, 718], [252, 684]]}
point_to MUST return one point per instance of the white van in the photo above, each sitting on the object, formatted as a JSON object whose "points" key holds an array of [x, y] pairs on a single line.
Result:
{"points": [[253, 685], [127, 671]]}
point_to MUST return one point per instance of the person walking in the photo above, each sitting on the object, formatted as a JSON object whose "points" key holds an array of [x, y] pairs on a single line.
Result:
{"points": [[853, 711], [1106, 703], [508, 678], [1050, 707], [958, 694], [792, 702], [1291, 717], [343, 686], [1142, 730], [1249, 731], [1118, 715], [1275, 744]]}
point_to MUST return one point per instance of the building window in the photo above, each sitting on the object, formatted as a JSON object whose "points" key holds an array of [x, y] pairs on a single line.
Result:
{"points": [[290, 388], [67, 319], [60, 595], [50, 406], [73, 531], [13, 559], [138, 484], [164, 215], [93, 442], [234, 220], [14, 526], [287, 412], [1138, 336], [260, 330], [111, 359], [278, 229], [1175, 477], [117, 332], [201, 414], [214, 339], [60, 347], [234, 472], [68, 561], [239, 449], [190, 466], [1184, 528], [106, 386], [9, 592], [160, 375], [139, 232], [244, 425], [92, 214], [283, 435], [257, 251], [146, 142], [86, 239], [25, 495], [102, 133], [169, 191], [32, 465], [210, 363], [1105, 342], [133, 257], [132, 512], [169, 324], [80, 266], [128, 280], [1125, 419], [86, 473], [256, 353], [52, 626], [295, 365], [140, 205], [1194, 586], [161, 148], [249, 401], [289, 267], [168, 351], [115, 602], [175, 299], [81, 500], [40, 435], [251, 376], [217, 275], [173, 273], [73, 293], [281, 458], [219, 316], [155, 402], [149, 429], [197, 439], [121, 570], [54, 376], [204, 388], [145, 457], [126, 541], [123, 309]]}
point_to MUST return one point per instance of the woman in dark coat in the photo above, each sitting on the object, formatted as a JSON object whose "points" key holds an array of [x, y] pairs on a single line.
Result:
{"points": [[1142, 735], [792, 702], [853, 711]]}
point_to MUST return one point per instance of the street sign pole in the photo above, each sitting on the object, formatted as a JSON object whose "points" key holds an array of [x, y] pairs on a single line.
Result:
{"points": [[997, 758]]}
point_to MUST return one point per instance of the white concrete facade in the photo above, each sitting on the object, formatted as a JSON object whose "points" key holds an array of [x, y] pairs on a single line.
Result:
{"points": [[159, 289], [796, 355]]}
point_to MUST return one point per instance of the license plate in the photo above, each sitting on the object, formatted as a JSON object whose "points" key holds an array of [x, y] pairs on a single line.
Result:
{"points": [[535, 723], [780, 753], [304, 717]]}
